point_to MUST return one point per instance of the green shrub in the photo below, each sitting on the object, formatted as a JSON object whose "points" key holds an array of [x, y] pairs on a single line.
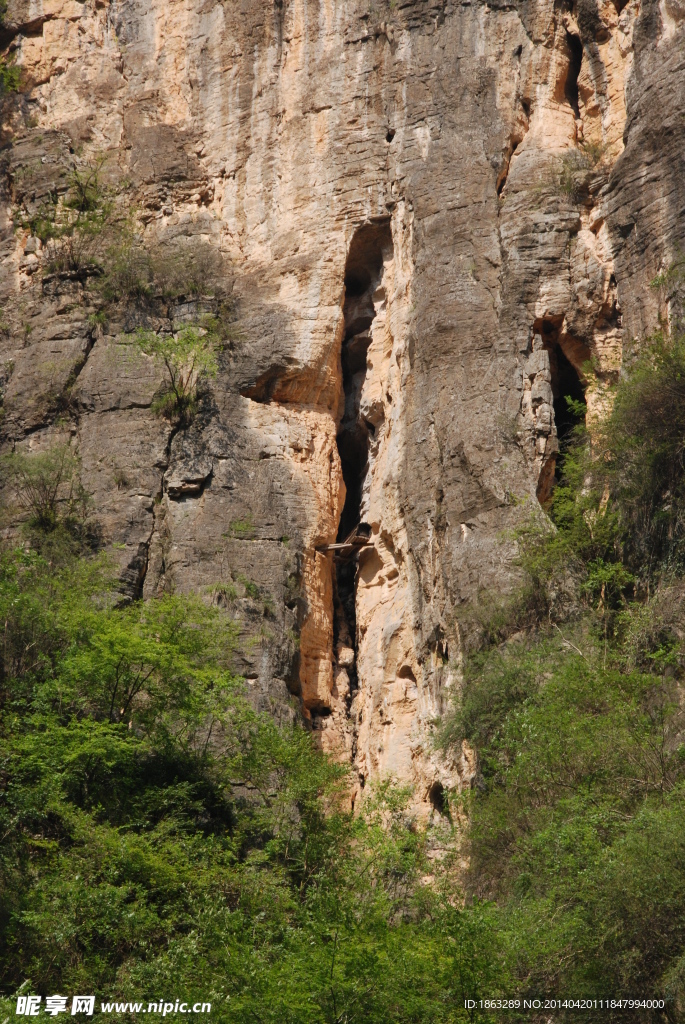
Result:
{"points": [[10, 74], [72, 226], [10, 77], [643, 464], [618, 513], [242, 529], [575, 831], [187, 268], [127, 271], [189, 359], [47, 486], [576, 168]]}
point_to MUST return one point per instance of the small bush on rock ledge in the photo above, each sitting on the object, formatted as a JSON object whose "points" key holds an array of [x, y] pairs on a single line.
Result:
{"points": [[189, 358], [47, 487], [72, 227]]}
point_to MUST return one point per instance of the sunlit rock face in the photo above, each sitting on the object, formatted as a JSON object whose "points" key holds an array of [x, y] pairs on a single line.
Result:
{"points": [[428, 218]]}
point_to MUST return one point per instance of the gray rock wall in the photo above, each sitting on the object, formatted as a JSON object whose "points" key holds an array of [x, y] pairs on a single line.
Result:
{"points": [[522, 166]]}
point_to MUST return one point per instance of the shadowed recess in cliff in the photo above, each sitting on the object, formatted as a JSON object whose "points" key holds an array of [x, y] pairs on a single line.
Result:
{"points": [[370, 244], [363, 273], [575, 60], [439, 800], [566, 386], [566, 358]]}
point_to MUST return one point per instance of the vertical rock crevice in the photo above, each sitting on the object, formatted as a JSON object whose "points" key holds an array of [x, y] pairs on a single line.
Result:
{"points": [[556, 392], [571, 91], [363, 273], [568, 396], [390, 690], [356, 434]]}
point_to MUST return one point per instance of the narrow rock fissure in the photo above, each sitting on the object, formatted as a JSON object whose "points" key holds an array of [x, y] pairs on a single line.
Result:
{"points": [[566, 356], [517, 136], [363, 272], [504, 173], [576, 58], [133, 577], [566, 389]]}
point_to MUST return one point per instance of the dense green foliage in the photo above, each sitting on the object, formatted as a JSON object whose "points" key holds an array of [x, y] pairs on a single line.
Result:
{"points": [[620, 505], [573, 700], [160, 839], [10, 77]]}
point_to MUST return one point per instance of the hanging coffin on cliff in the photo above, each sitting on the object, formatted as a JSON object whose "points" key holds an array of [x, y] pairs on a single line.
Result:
{"points": [[360, 537]]}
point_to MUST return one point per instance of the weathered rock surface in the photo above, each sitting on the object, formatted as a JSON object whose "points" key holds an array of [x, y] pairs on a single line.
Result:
{"points": [[430, 215]]}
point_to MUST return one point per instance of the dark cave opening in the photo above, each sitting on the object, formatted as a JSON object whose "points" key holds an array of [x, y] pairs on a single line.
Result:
{"points": [[575, 60], [568, 391], [363, 273], [438, 799]]}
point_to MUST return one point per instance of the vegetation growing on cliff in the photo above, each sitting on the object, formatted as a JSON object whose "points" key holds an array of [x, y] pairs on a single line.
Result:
{"points": [[189, 359], [158, 836], [89, 230], [10, 74], [155, 829], [47, 487], [71, 226], [10, 77], [574, 705]]}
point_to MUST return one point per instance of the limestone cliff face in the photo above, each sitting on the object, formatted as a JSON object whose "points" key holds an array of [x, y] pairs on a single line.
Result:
{"points": [[428, 216]]}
